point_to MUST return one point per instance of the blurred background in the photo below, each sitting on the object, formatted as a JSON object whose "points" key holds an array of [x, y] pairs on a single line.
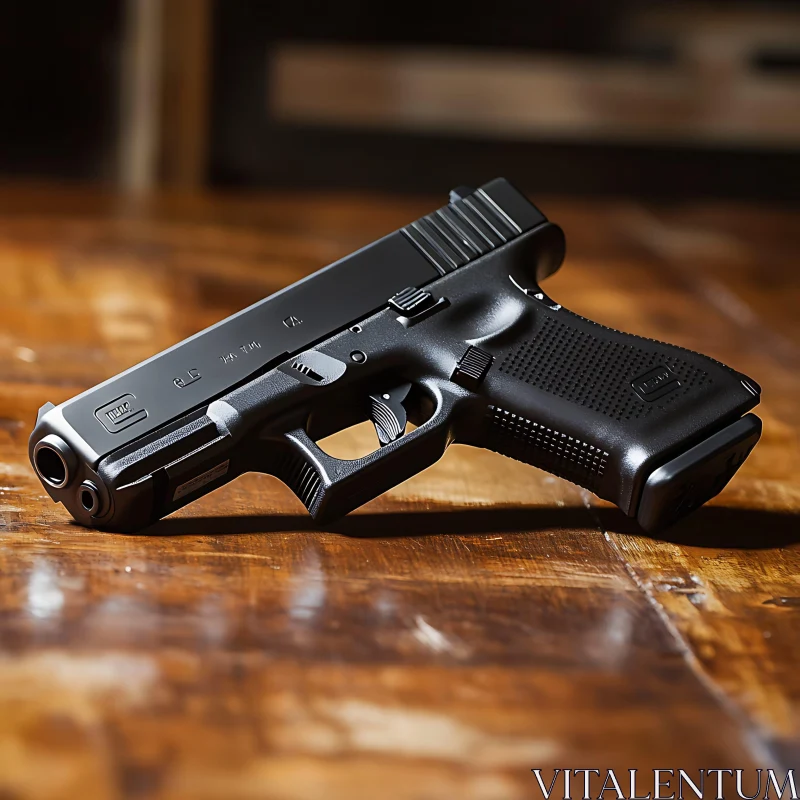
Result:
{"points": [[483, 618], [625, 97]]}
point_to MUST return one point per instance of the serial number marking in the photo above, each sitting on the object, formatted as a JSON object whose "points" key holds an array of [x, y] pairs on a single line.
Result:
{"points": [[250, 346], [246, 348], [201, 480]]}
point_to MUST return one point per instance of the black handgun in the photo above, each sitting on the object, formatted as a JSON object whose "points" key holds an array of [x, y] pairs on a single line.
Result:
{"points": [[442, 324]]}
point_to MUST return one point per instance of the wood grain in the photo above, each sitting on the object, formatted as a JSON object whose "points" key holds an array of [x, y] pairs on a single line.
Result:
{"points": [[480, 620]]}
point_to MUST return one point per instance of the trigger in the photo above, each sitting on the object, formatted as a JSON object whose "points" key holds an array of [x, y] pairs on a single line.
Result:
{"points": [[388, 414]]}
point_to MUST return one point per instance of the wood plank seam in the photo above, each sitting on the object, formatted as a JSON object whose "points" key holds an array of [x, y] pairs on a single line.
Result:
{"points": [[759, 751]]}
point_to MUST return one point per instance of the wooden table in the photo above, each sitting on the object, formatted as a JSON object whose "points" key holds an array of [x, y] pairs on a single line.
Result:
{"points": [[479, 621]]}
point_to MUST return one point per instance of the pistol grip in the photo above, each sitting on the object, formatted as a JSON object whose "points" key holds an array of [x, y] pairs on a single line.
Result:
{"points": [[652, 427]]}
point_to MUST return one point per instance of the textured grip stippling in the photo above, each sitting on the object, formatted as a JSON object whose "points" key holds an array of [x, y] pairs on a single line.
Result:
{"points": [[598, 372], [548, 449]]}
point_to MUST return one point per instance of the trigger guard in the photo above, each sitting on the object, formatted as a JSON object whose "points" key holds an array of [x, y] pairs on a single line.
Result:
{"points": [[331, 487]]}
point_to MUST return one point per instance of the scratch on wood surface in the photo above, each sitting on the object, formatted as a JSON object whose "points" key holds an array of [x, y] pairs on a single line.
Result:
{"points": [[436, 641], [427, 635]]}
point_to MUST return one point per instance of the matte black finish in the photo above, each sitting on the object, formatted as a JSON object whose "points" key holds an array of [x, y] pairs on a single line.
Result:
{"points": [[213, 361], [693, 477], [443, 324]]}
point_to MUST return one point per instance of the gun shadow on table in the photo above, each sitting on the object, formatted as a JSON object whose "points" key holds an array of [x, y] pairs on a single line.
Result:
{"points": [[710, 526]]}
